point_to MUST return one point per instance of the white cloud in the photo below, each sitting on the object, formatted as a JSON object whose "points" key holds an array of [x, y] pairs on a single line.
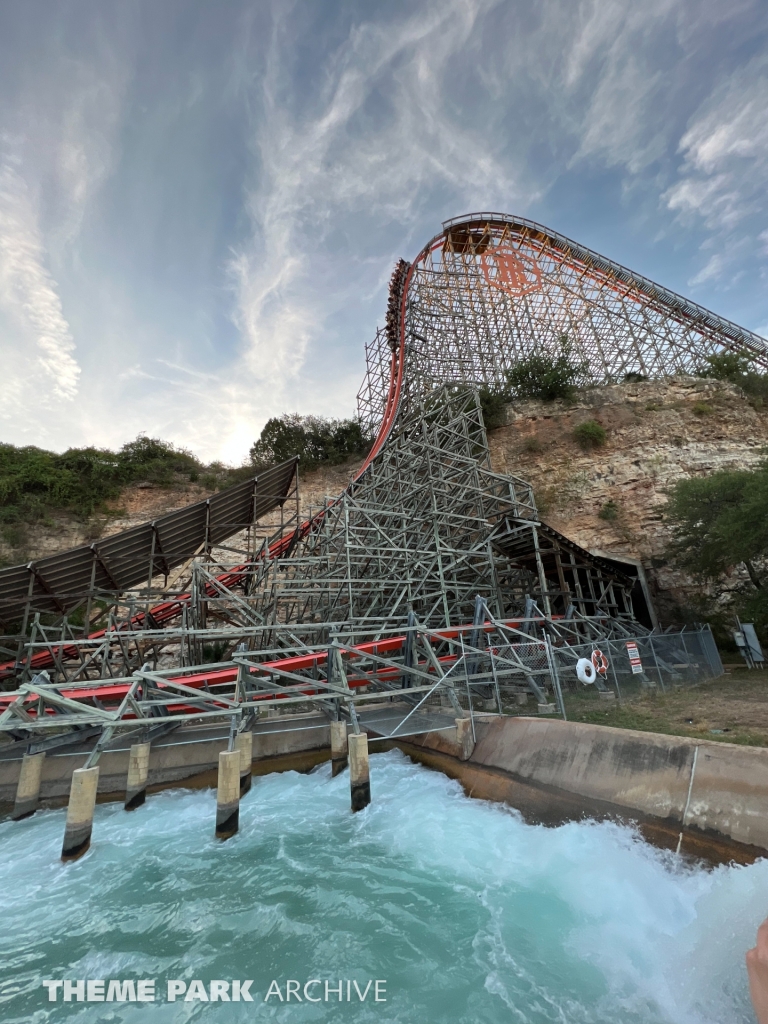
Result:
{"points": [[724, 171], [614, 52], [45, 365], [329, 165]]}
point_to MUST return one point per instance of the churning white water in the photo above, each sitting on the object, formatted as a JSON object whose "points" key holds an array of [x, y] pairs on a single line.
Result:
{"points": [[466, 913]]}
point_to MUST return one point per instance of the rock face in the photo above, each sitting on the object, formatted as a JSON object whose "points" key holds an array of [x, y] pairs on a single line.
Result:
{"points": [[656, 433]]}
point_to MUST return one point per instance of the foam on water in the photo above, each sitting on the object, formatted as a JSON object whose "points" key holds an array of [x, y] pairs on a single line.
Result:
{"points": [[468, 913]]}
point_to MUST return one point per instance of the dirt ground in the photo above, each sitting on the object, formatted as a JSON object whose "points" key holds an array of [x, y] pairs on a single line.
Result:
{"points": [[731, 709]]}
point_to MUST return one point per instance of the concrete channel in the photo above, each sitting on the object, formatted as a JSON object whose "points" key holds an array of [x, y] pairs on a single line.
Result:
{"points": [[703, 798]]}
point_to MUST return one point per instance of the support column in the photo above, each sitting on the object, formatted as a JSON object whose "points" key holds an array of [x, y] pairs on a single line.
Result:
{"points": [[339, 748], [359, 776], [244, 743], [82, 800], [228, 794], [138, 770], [28, 789], [464, 738]]}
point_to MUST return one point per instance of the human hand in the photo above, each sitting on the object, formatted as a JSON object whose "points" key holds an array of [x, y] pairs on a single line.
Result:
{"points": [[757, 969]]}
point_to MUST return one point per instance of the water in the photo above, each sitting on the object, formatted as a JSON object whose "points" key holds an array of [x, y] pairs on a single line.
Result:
{"points": [[467, 913]]}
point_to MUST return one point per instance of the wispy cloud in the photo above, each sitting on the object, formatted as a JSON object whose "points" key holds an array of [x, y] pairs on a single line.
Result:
{"points": [[211, 214], [370, 147], [29, 297], [722, 180], [614, 53]]}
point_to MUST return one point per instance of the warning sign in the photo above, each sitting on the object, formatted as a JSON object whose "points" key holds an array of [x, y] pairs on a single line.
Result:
{"points": [[634, 658]]}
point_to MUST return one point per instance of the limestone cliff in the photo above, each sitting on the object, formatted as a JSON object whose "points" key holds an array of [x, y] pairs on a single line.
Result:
{"points": [[657, 433]]}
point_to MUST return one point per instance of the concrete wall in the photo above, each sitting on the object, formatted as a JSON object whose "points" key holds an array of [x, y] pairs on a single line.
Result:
{"points": [[628, 771], [190, 751], [550, 770]]}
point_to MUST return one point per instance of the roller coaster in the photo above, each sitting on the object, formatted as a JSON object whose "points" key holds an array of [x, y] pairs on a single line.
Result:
{"points": [[429, 578]]}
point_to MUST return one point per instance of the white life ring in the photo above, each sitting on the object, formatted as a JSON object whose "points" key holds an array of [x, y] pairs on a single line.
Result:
{"points": [[585, 671]]}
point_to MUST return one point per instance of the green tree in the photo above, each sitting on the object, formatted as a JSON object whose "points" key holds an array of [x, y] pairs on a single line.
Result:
{"points": [[721, 521], [314, 439]]}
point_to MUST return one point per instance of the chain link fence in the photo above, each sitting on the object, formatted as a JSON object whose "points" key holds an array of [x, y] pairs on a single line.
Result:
{"points": [[657, 661], [547, 668]]}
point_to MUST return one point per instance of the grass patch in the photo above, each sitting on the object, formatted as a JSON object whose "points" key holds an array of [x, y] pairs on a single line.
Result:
{"points": [[736, 705]]}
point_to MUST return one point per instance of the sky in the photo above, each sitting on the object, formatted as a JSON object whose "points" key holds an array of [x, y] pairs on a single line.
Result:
{"points": [[201, 203]]}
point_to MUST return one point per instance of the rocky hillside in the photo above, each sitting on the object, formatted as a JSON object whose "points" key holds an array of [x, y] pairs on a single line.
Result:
{"points": [[140, 502], [611, 498]]}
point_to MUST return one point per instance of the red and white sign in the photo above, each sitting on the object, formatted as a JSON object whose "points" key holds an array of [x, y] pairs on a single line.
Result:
{"points": [[634, 658]]}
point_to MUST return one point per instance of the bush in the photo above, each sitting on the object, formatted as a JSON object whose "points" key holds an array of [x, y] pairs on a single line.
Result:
{"points": [[313, 439], [547, 377], [590, 434], [148, 458], [737, 370], [609, 511], [492, 402], [34, 482], [701, 409]]}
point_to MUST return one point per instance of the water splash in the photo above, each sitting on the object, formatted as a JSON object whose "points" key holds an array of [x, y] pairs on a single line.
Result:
{"points": [[468, 913]]}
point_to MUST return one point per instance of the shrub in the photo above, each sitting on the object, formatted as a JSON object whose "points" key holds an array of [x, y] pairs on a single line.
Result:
{"points": [[609, 511], [214, 652], [532, 444], [547, 377], [633, 377], [590, 434], [34, 482], [492, 402], [737, 370], [314, 439], [701, 409]]}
